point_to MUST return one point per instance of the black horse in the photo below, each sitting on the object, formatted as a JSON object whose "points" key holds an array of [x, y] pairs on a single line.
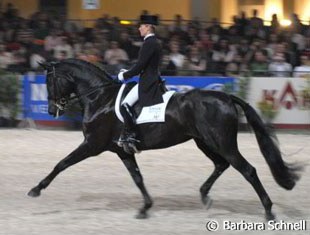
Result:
{"points": [[208, 117]]}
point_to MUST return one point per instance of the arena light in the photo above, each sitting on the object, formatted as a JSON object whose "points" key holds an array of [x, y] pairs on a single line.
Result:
{"points": [[301, 7], [125, 22], [285, 22], [273, 7]]}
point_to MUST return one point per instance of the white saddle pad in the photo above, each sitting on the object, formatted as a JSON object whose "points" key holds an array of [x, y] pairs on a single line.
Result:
{"points": [[154, 113]]}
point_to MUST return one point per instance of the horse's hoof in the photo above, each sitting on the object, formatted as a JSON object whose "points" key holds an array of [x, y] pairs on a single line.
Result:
{"points": [[270, 216], [142, 215], [35, 192], [207, 201]]}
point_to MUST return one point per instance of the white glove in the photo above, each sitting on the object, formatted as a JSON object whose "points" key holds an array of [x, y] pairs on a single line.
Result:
{"points": [[120, 75]]}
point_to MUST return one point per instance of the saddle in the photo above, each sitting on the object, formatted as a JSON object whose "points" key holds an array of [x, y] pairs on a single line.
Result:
{"points": [[149, 114]]}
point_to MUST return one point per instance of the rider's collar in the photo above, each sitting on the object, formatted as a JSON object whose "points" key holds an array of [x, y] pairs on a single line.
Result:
{"points": [[148, 35]]}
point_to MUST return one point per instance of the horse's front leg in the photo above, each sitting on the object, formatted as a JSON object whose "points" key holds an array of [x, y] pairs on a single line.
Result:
{"points": [[132, 166], [79, 154]]}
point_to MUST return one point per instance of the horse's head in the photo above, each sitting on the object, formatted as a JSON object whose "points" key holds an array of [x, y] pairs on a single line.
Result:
{"points": [[59, 85], [74, 76]]}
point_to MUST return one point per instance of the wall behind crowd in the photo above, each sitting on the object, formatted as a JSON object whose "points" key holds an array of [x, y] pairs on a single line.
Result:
{"points": [[74, 9]]}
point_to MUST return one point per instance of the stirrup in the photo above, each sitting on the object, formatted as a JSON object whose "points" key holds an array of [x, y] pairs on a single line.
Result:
{"points": [[128, 143], [129, 147], [126, 139]]}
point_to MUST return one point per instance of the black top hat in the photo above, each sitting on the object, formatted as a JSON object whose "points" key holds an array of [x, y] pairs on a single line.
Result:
{"points": [[149, 19]]}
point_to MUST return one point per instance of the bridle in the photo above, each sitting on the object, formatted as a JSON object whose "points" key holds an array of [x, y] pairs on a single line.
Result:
{"points": [[61, 102]]}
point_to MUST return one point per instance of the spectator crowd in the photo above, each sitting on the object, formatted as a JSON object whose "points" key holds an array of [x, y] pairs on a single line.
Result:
{"points": [[189, 47]]}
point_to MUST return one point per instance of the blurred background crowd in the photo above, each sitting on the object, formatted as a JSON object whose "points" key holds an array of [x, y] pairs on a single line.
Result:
{"points": [[190, 47]]}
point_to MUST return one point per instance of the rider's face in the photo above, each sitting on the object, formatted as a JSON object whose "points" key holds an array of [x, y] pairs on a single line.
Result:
{"points": [[144, 29]]}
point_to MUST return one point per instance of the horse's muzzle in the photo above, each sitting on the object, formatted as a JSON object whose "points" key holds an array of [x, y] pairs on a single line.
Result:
{"points": [[52, 108]]}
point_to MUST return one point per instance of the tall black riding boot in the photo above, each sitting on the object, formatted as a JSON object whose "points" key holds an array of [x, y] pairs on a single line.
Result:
{"points": [[128, 137]]}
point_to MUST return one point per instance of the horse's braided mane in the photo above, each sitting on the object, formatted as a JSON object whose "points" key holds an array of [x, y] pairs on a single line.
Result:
{"points": [[98, 71]]}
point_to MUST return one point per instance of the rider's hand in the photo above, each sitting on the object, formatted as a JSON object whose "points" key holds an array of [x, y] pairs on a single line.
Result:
{"points": [[120, 75]]}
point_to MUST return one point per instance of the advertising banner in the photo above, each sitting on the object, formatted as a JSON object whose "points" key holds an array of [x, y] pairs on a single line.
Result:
{"points": [[183, 84], [35, 103], [288, 97]]}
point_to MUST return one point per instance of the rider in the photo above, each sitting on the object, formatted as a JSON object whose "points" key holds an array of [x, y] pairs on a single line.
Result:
{"points": [[148, 89]]}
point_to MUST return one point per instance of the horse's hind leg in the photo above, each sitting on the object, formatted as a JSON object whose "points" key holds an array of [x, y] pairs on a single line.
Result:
{"points": [[132, 166], [220, 166], [79, 154], [249, 172]]}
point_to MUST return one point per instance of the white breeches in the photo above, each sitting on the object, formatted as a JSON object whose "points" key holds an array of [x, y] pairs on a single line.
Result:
{"points": [[133, 96]]}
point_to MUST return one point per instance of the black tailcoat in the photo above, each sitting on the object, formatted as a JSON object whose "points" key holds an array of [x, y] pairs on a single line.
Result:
{"points": [[148, 68]]}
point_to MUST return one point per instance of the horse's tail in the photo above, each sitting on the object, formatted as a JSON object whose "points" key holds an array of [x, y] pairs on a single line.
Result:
{"points": [[285, 174]]}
